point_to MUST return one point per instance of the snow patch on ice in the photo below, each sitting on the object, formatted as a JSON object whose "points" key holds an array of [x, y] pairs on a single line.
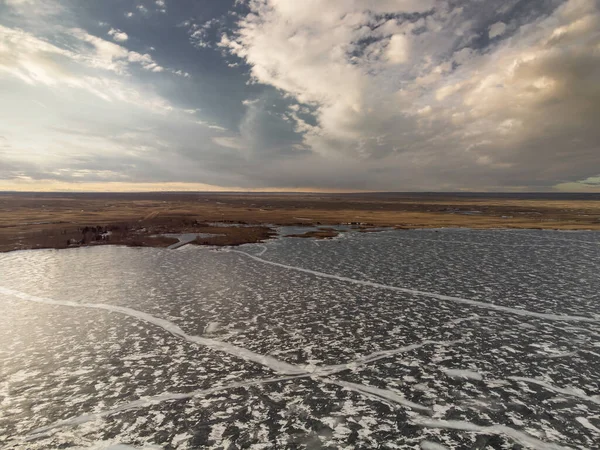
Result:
{"points": [[461, 373], [211, 327], [429, 445], [586, 423]]}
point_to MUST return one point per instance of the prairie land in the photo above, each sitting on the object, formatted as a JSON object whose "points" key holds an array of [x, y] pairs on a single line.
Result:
{"points": [[58, 220]]}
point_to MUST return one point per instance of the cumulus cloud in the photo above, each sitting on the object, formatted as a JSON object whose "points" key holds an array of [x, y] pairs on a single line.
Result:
{"points": [[118, 35], [409, 86]]}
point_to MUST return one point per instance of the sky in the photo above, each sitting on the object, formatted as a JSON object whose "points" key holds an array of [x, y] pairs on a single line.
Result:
{"points": [[311, 95]]}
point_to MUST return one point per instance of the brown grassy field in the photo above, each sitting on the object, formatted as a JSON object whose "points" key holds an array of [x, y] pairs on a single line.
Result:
{"points": [[43, 220]]}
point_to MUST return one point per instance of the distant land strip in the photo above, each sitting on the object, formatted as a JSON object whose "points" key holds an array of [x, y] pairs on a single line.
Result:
{"points": [[62, 220]]}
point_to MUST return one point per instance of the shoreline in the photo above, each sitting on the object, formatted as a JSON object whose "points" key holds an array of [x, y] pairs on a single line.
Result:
{"points": [[269, 233], [35, 221]]}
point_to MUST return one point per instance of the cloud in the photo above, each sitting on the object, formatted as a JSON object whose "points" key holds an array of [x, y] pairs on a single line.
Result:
{"points": [[118, 35], [211, 126], [497, 29], [107, 55], [398, 49], [158, 6], [121, 144], [82, 109], [87, 64], [323, 56], [161, 5], [345, 94], [202, 35], [31, 8], [229, 142], [19, 3], [412, 89], [36, 60]]}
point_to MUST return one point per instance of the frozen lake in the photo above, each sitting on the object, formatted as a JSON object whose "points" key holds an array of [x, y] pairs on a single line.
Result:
{"points": [[405, 339]]}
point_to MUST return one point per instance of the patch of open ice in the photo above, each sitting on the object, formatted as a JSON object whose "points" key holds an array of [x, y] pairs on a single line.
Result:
{"points": [[507, 309]]}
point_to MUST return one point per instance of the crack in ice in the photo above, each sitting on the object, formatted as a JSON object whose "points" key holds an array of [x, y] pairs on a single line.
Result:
{"points": [[381, 394], [268, 361], [572, 392], [506, 309], [248, 355], [145, 402], [500, 430], [263, 251], [319, 373], [376, 356]]}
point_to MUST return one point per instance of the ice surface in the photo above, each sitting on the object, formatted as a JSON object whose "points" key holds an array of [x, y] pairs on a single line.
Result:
{"points": [[272, 363], [573, 392], [410, 339], [520, 312]]}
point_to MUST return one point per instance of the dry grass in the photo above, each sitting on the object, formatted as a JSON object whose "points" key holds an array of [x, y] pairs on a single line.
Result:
{"points": [[50, 220], [235, 235]]}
